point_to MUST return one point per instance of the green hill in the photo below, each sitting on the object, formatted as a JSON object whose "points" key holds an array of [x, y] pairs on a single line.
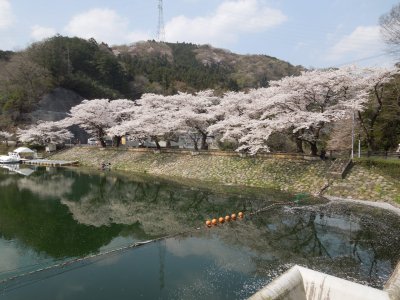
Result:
{"points": [[169, 67], [95, 70]]}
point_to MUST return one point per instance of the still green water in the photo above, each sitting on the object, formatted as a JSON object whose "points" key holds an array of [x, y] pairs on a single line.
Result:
{"points": [[58, 215]]}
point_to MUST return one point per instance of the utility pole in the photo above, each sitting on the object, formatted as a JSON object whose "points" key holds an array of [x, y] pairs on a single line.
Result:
{"points": [[161, 28], [352, 135]]}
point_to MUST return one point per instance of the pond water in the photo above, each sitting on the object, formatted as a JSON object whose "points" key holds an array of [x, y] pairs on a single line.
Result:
{"points": [[56, 216]]}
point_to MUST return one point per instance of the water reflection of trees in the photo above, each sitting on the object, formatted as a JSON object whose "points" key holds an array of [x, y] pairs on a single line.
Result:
{"points": [[68, 213], [47, 227], [44, 185], [160, 208], [31, 214], [360, 243]]}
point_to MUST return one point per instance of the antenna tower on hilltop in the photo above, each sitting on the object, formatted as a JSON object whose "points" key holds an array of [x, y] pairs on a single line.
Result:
{"points": [[160, 29]]}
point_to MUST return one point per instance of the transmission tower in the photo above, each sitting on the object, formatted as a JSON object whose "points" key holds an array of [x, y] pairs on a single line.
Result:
{"points": [[161, 28]]}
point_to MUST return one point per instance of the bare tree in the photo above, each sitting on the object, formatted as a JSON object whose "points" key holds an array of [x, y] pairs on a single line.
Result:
{"points": [[390, 27]]}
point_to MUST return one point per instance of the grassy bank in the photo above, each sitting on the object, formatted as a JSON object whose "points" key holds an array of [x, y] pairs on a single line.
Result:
{"points": [[389, 167], [292, 175]]}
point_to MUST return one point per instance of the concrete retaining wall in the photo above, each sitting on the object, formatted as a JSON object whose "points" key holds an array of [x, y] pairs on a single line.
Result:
{"points": [[393, 285], [304, 284]]}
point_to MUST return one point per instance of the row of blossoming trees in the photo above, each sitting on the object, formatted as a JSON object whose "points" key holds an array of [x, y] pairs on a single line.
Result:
{"points": [[303, 105]]}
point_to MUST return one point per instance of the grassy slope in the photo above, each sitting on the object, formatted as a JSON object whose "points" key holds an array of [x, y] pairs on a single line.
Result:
{"points": [[290, 175]]}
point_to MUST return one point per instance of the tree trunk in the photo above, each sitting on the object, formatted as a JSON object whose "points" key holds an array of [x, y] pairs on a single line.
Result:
{"points": [[118, 141], [100, 134], [299, 145], [314, 149], [168, 144], [102, 142], [156, 141], [203, 145], [196, 147], [298, 140], [370, 145]]}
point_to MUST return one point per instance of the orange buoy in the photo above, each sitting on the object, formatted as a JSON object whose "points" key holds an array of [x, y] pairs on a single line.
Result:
{"points": [[221, 220], [214, 222], [227, 218], [233, 216], [208, 223], [240, 214]]}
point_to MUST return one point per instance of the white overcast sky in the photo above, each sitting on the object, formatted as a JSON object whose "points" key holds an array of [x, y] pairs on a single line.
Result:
{"points": [[312, 33]]}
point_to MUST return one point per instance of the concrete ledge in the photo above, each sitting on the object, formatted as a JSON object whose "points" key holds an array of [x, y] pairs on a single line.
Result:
{"points": [[287, 286], [378, 204], [392, 286], [300, 283]]}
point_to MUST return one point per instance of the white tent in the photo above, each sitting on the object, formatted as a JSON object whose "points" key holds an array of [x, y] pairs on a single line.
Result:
{"points": [[23, 150]]}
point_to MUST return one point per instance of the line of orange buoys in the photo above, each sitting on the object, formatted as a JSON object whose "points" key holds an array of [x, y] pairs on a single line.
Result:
{"points": [[221, 220]]}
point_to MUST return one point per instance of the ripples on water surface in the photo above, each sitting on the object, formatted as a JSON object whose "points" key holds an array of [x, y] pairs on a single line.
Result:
{"points": [[58, 215]]}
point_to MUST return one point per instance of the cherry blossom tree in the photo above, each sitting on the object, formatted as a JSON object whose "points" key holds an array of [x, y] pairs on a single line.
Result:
{"points": [[197, 113], [308, 102], [120, 111], [5, 136], [233, 117], [93, 116], [129, 127], [98, 115], [161, 117], [155, 117], [239, 120], [44, 133], [303, 104]]}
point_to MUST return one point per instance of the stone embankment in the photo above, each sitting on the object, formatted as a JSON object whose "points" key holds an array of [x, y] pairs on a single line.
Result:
{"points": [[292, 175]]}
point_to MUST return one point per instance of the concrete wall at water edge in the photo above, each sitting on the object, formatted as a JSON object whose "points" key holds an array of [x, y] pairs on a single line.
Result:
{"points": [[392, 286], [300, 283]]}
